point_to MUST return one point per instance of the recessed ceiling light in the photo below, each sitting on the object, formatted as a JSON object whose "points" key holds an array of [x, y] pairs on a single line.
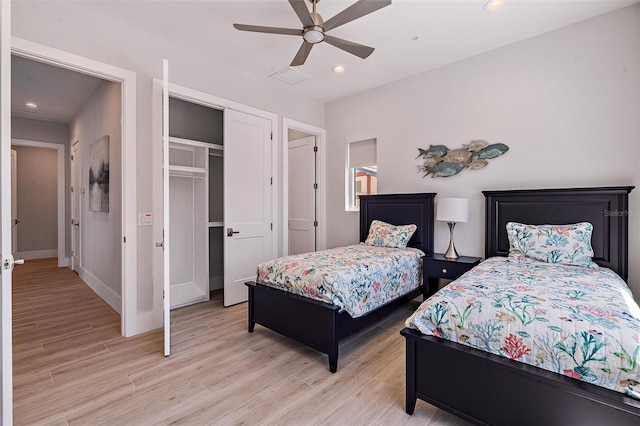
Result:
{"points": [[338, 69], [31, 105], [493, 5]]}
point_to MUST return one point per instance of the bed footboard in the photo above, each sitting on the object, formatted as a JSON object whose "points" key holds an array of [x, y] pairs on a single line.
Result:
{"points": [[489, 389], [308, 321]]}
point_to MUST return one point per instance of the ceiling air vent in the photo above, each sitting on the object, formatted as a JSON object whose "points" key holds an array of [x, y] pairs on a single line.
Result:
{"points": [[290, 76]]}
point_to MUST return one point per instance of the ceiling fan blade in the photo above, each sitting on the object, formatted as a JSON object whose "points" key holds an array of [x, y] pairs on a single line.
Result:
{"points": [[355, 11], [270, 30], [359, 50], [301, 10], [302, 54]]}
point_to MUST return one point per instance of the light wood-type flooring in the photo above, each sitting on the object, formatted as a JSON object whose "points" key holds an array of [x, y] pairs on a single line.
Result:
{"points": [[72, 367]]}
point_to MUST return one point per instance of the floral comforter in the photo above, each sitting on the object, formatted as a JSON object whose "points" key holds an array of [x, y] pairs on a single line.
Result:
{"points": [[357, 278], [579, 322]]}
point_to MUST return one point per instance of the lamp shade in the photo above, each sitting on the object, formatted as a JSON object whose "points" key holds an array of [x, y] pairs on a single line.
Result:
{"points": [[452, 210]]}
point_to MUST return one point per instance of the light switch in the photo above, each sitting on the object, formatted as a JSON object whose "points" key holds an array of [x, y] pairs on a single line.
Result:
{"points": [[145, 219]]}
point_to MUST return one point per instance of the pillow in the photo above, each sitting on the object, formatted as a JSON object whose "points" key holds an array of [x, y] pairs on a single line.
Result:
{"points": [[383, 234], [565, 244]]}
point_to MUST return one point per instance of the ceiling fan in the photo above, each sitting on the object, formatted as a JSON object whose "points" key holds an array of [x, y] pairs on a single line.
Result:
{"points": [[315, 27]]}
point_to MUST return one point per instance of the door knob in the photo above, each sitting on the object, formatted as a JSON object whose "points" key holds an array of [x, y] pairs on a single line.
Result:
{"points": [[230, 232]]}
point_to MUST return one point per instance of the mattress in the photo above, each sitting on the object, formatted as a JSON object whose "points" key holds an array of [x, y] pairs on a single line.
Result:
{"points": [[357, 278], [579, 322]]}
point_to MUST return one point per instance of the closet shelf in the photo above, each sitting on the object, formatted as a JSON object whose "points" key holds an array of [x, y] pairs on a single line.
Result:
{"points": [[190, 142], [187, 171]]}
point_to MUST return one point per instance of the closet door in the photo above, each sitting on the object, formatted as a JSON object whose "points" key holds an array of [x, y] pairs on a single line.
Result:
{"points": [[247, 204]]}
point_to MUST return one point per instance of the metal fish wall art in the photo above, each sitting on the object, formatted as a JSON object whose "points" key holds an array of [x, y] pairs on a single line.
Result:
{"points": [[440, 161]]}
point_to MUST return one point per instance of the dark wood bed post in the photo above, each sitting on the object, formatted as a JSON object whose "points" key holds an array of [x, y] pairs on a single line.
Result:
{"points": [[410, 394], [250, 315]]}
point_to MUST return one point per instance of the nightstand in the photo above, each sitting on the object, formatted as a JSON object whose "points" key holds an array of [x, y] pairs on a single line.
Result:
{"points": [[438, 266]]}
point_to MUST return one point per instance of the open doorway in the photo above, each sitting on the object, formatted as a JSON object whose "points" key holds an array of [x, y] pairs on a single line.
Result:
{"points": [[55, 111], [304, 189]]}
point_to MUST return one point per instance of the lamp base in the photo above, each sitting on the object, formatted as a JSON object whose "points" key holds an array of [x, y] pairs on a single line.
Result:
{"points": [[451, 252]]}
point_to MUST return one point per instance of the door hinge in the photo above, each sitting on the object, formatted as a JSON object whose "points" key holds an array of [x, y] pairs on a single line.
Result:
{"points": [[315, 223], [315, 186], [72, 189], [72, 158], [272, 226], [125, 239], [271, 135], [271, 180], [315, 148]]}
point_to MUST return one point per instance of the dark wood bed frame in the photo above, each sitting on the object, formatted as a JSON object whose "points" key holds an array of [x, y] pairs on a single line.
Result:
{"points": [[489, 389], [321, 325]]}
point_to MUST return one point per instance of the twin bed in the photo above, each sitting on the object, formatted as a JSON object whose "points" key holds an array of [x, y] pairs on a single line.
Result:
{"points": [[506, 310], [490, 388], [321, 324]]}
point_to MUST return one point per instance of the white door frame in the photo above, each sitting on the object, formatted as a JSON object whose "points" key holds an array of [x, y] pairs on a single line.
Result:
{"points": [[75, 203], [61, 156], [321, 196], [6, 334], [132, 322]]}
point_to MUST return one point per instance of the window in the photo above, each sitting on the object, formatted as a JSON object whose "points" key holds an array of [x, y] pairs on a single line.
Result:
{"points": [[362, 171]]}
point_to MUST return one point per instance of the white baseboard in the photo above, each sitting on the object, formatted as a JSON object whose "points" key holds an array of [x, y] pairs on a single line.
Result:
{"points": [[102, 290], [38, 254], [63, 262]]}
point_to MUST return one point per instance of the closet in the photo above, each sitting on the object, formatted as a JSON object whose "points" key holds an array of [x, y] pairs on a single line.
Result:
{"points": [[196, 173]]}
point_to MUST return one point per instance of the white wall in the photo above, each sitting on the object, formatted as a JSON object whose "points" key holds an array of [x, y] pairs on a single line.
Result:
{"points": [[566, 102], [100, 257], [71, 27]]}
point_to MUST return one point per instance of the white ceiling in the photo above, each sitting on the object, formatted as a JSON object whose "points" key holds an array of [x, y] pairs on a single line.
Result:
{"points": [[58, 93], [448, 30]]}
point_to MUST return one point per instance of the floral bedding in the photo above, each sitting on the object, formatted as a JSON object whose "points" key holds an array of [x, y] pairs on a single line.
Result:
{"points": [[579, 322], [357, 278]]}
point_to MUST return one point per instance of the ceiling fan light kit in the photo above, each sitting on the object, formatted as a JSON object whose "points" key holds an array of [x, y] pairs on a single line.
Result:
{"points": [[315, 28]]}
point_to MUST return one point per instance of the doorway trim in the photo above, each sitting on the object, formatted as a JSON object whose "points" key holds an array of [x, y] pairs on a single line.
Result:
{"points": [[321, 200], [130, 323], [61, 156]]}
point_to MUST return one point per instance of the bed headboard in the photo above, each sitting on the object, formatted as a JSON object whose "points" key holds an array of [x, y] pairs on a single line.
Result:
{"points": [[606, 208], [401, 209]]}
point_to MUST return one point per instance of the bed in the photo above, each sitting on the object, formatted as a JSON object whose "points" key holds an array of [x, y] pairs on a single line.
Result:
{"points": [[486, 388], [321, 325]]}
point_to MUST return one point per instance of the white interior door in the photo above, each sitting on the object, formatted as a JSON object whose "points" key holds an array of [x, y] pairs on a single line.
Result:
{"points": [[166, 276], [248, 198], [14, 202], [302, 200], [6, 415], [76, 194]]}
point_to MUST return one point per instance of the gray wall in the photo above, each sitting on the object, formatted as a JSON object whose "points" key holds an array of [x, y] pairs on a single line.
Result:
{"points": [[41, 131], [566, 102], [44, 131], [100, 231], [37, 181]]}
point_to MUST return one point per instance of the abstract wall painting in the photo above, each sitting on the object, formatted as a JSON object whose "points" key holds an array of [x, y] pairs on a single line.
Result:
{"points": [[440, 161], [99, 175]]}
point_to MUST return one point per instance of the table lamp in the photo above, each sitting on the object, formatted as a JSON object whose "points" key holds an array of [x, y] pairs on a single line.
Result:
{"points": [[452, 211]]}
